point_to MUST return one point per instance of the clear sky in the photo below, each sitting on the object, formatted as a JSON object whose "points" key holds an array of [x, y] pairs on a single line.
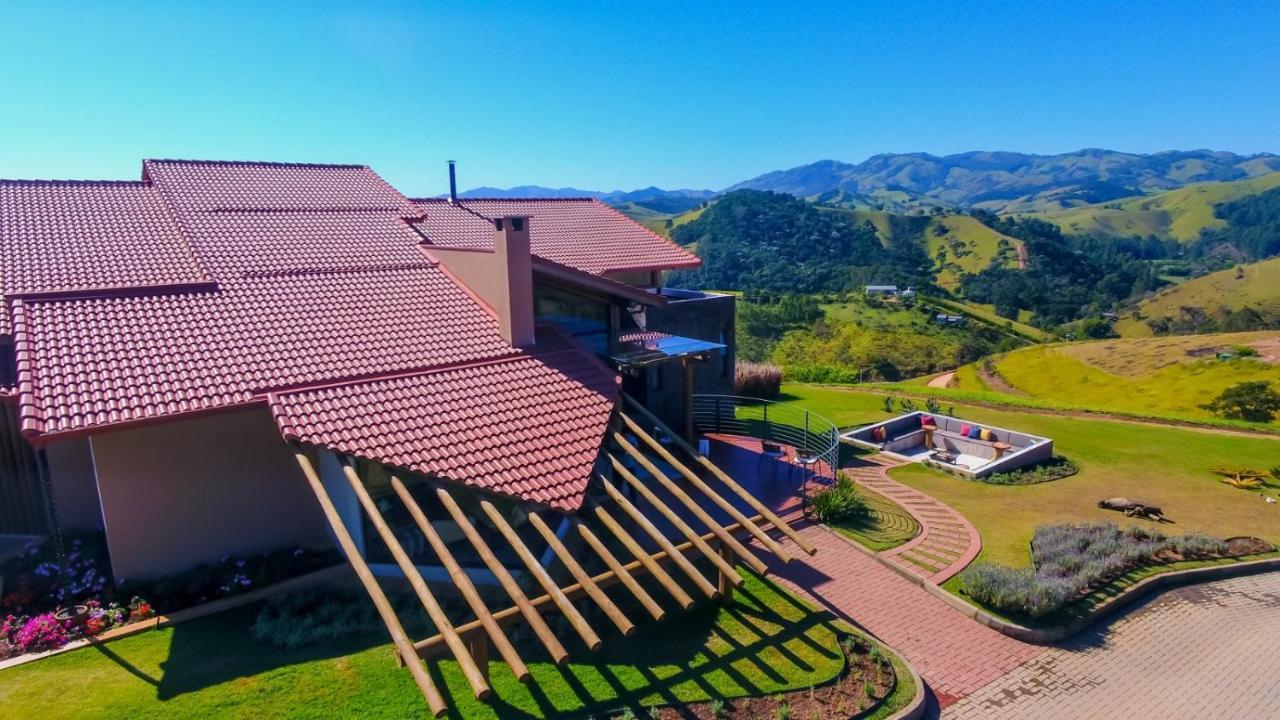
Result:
{"points": [[602, 95]]}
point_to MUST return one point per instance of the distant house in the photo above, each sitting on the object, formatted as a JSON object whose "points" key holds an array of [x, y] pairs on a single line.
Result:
{"points": [[891, 290], [949, 320], [908, 293]]}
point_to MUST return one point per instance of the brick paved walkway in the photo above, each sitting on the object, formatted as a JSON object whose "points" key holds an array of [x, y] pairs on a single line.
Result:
{"points": [[1204, 651], [947, 541], [954, 654]]}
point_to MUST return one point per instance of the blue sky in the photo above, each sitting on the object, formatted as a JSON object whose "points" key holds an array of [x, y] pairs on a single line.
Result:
{"points": [[604, 96]]}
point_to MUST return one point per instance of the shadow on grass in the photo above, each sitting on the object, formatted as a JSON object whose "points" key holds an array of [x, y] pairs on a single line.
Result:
{"points": [[708, 652]]}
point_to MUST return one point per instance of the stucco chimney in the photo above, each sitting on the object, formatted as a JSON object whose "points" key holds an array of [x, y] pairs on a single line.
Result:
{"points": [[515, 298]]}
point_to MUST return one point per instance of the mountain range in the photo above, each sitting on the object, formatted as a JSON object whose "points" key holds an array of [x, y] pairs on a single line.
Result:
{"points": [[997, 181]]}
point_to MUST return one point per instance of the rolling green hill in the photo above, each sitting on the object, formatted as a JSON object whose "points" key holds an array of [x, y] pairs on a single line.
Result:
{"points": [[1179, 214], [1258, 288], [956, 243], [960, 244], [655, 220], [1167, 376]]}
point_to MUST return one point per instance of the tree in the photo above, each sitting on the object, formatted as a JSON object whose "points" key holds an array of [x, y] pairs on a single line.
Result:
{"points": [[1253, 401]]}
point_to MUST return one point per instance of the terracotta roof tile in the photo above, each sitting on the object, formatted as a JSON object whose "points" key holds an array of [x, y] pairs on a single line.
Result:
{"points": [[266, 217], [535, 436], [87, 363], [582, 233], [67, 236]]}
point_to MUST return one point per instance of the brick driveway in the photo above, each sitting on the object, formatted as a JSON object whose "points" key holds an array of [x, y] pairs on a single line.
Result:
{"points": [[954, 654], [1204, 651]]}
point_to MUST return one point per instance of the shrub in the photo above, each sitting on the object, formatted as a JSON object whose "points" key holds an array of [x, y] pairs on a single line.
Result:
{"points": [[317, 616], [888, 403], [757, 380], [820, 373], [1015, 590], [1054, 469], [933, 406], [841, 502], [1069, 560]]}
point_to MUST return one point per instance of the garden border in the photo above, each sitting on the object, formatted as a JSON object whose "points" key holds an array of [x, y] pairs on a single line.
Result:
{"points": [[1050, 635], [334, 572]]}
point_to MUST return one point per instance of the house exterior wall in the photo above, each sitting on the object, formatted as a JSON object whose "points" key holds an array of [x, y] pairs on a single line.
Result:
{"points": [[75, 489], [702, 317], [181, 493]]}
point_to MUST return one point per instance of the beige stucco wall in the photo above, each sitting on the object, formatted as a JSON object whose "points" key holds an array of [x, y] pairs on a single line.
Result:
{"points": [[75, 491], [181, 493]]}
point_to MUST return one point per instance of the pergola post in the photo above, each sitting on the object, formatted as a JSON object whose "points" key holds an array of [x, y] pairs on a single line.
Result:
{"points": [[724, 582]]}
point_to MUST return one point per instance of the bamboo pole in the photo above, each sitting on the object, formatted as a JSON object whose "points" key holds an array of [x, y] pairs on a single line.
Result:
{"points": [[646, 560], [434, 644], [583, 578], [724, 504], [724, 477], [652, 530], [476, 678], [406, 650], [558, 654], [725, 538], [549, 586], [676, 521], [463, 582], [624, 576]]}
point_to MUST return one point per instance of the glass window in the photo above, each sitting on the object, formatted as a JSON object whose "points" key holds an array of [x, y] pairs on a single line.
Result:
{"points": [[585, 318]]}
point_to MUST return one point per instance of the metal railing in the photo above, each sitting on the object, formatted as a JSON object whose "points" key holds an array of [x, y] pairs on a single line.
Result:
{"points": [[816, 440]]}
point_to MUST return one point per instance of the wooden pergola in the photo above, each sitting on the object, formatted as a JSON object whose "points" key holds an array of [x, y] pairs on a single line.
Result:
{"points": [[470, 643]]}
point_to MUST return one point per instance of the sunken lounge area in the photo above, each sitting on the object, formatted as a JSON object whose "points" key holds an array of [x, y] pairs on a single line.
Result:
{"points": [[960, 446]]}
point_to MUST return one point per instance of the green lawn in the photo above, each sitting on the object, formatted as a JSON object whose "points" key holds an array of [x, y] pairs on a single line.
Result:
{"points": [[1151, 376], [765, 643], [886, 526], [1164, 466]]}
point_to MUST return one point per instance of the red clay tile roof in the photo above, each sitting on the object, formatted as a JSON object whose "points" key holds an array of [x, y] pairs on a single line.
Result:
{"points": [[88, 363], [69, 236], [536, 436], [215, 285], [582, 233]]}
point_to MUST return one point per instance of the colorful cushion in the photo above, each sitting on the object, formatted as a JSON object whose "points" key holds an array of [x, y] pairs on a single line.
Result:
{"points": [[927, 420], [974, 432], [877, 434], [987, 435], [965, 428]]}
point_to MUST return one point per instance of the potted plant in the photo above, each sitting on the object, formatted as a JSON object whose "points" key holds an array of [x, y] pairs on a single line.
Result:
{"points": [[73, 617]]}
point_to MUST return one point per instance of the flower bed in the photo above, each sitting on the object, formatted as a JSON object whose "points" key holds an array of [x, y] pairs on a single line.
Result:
{"points": [[40, 583], [1069, 561]]}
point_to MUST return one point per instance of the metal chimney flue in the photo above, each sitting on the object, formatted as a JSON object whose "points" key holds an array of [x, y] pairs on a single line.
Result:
{"points": [[453, 183]]}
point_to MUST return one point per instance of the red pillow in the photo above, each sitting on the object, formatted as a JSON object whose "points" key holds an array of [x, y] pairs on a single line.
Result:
{"points": [[877, 434], [964, 429], [927, 420]]}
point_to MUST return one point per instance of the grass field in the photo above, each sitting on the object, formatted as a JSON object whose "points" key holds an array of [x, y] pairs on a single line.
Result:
{"points": [[988, 314], [764, 643], [968, 246], [1179, 214], [1259, 289], [1163, 466], [1148, 377]]}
